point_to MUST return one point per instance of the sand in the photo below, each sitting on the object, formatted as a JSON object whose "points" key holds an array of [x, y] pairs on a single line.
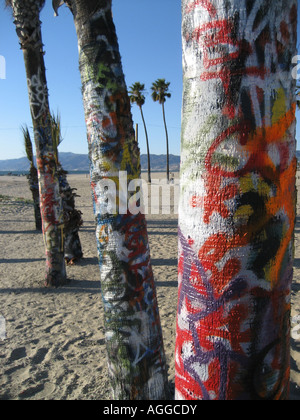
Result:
{"points": [[52, 346]]}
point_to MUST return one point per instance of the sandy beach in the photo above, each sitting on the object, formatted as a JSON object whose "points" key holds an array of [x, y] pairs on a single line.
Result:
{"points": [[53, 347]]}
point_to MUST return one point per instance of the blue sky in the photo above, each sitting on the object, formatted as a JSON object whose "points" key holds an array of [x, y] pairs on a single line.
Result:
{"points": [[149, 33]]}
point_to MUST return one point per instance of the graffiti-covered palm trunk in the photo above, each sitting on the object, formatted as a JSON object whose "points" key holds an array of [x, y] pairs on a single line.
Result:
{"points": [[237, 205], [132, 326], [28, 27], [72, 219], [34, 188]]}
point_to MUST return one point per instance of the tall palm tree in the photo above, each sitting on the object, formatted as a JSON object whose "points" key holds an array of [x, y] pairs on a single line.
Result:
{"points": [[237, 202], [72, 216], [136, 94], [160, 94], [32, 178], [135, 350], [28, 27]]}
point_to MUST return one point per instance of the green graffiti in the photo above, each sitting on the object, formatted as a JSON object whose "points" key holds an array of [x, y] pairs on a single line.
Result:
{"points": [[106, 79]]}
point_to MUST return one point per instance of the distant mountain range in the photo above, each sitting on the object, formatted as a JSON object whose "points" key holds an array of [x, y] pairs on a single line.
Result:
{"points": [[80, 162]]}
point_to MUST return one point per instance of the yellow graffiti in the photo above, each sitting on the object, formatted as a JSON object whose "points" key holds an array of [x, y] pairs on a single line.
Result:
{"points": [[279, 108]]}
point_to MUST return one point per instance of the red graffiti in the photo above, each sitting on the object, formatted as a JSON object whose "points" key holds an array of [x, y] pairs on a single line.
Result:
{"points": [[216, 330], [212, 252], [48, 199], [206, 4], [219, 48], [217, 37], [220, 195]]}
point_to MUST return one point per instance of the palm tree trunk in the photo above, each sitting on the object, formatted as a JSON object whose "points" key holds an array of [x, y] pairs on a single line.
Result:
{"points": [[147, 143], [72, 219], [167, 142], [34, 188], [28, 27], [135, 352], [237, 204]]}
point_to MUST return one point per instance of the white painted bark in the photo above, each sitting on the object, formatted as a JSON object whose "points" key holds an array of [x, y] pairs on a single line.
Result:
{"points": [[235, 229]]}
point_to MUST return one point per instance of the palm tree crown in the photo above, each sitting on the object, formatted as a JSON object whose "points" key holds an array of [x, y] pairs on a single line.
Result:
{"points": [[160, 90], [136, 94]]}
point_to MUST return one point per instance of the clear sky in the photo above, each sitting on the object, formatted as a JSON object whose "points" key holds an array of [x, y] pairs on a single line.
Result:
{"points": [[149, 33]]}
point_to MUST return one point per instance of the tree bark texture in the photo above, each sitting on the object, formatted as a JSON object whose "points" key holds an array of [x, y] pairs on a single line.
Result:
{"points": [[34, 188], [28, 27], [237, 204], [133, 333], [72, 219]]}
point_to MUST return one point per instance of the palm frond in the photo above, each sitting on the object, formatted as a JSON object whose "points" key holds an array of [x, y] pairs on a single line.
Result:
{"points": [[56, 5], [155, 96], [136, 94], [160, 90], [56, 133], [27, 143]]}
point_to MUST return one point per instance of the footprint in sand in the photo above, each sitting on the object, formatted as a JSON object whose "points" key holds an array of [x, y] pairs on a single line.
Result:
{"points": [[18, 353], [38, 392], [53, 328], [39, 356]]}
